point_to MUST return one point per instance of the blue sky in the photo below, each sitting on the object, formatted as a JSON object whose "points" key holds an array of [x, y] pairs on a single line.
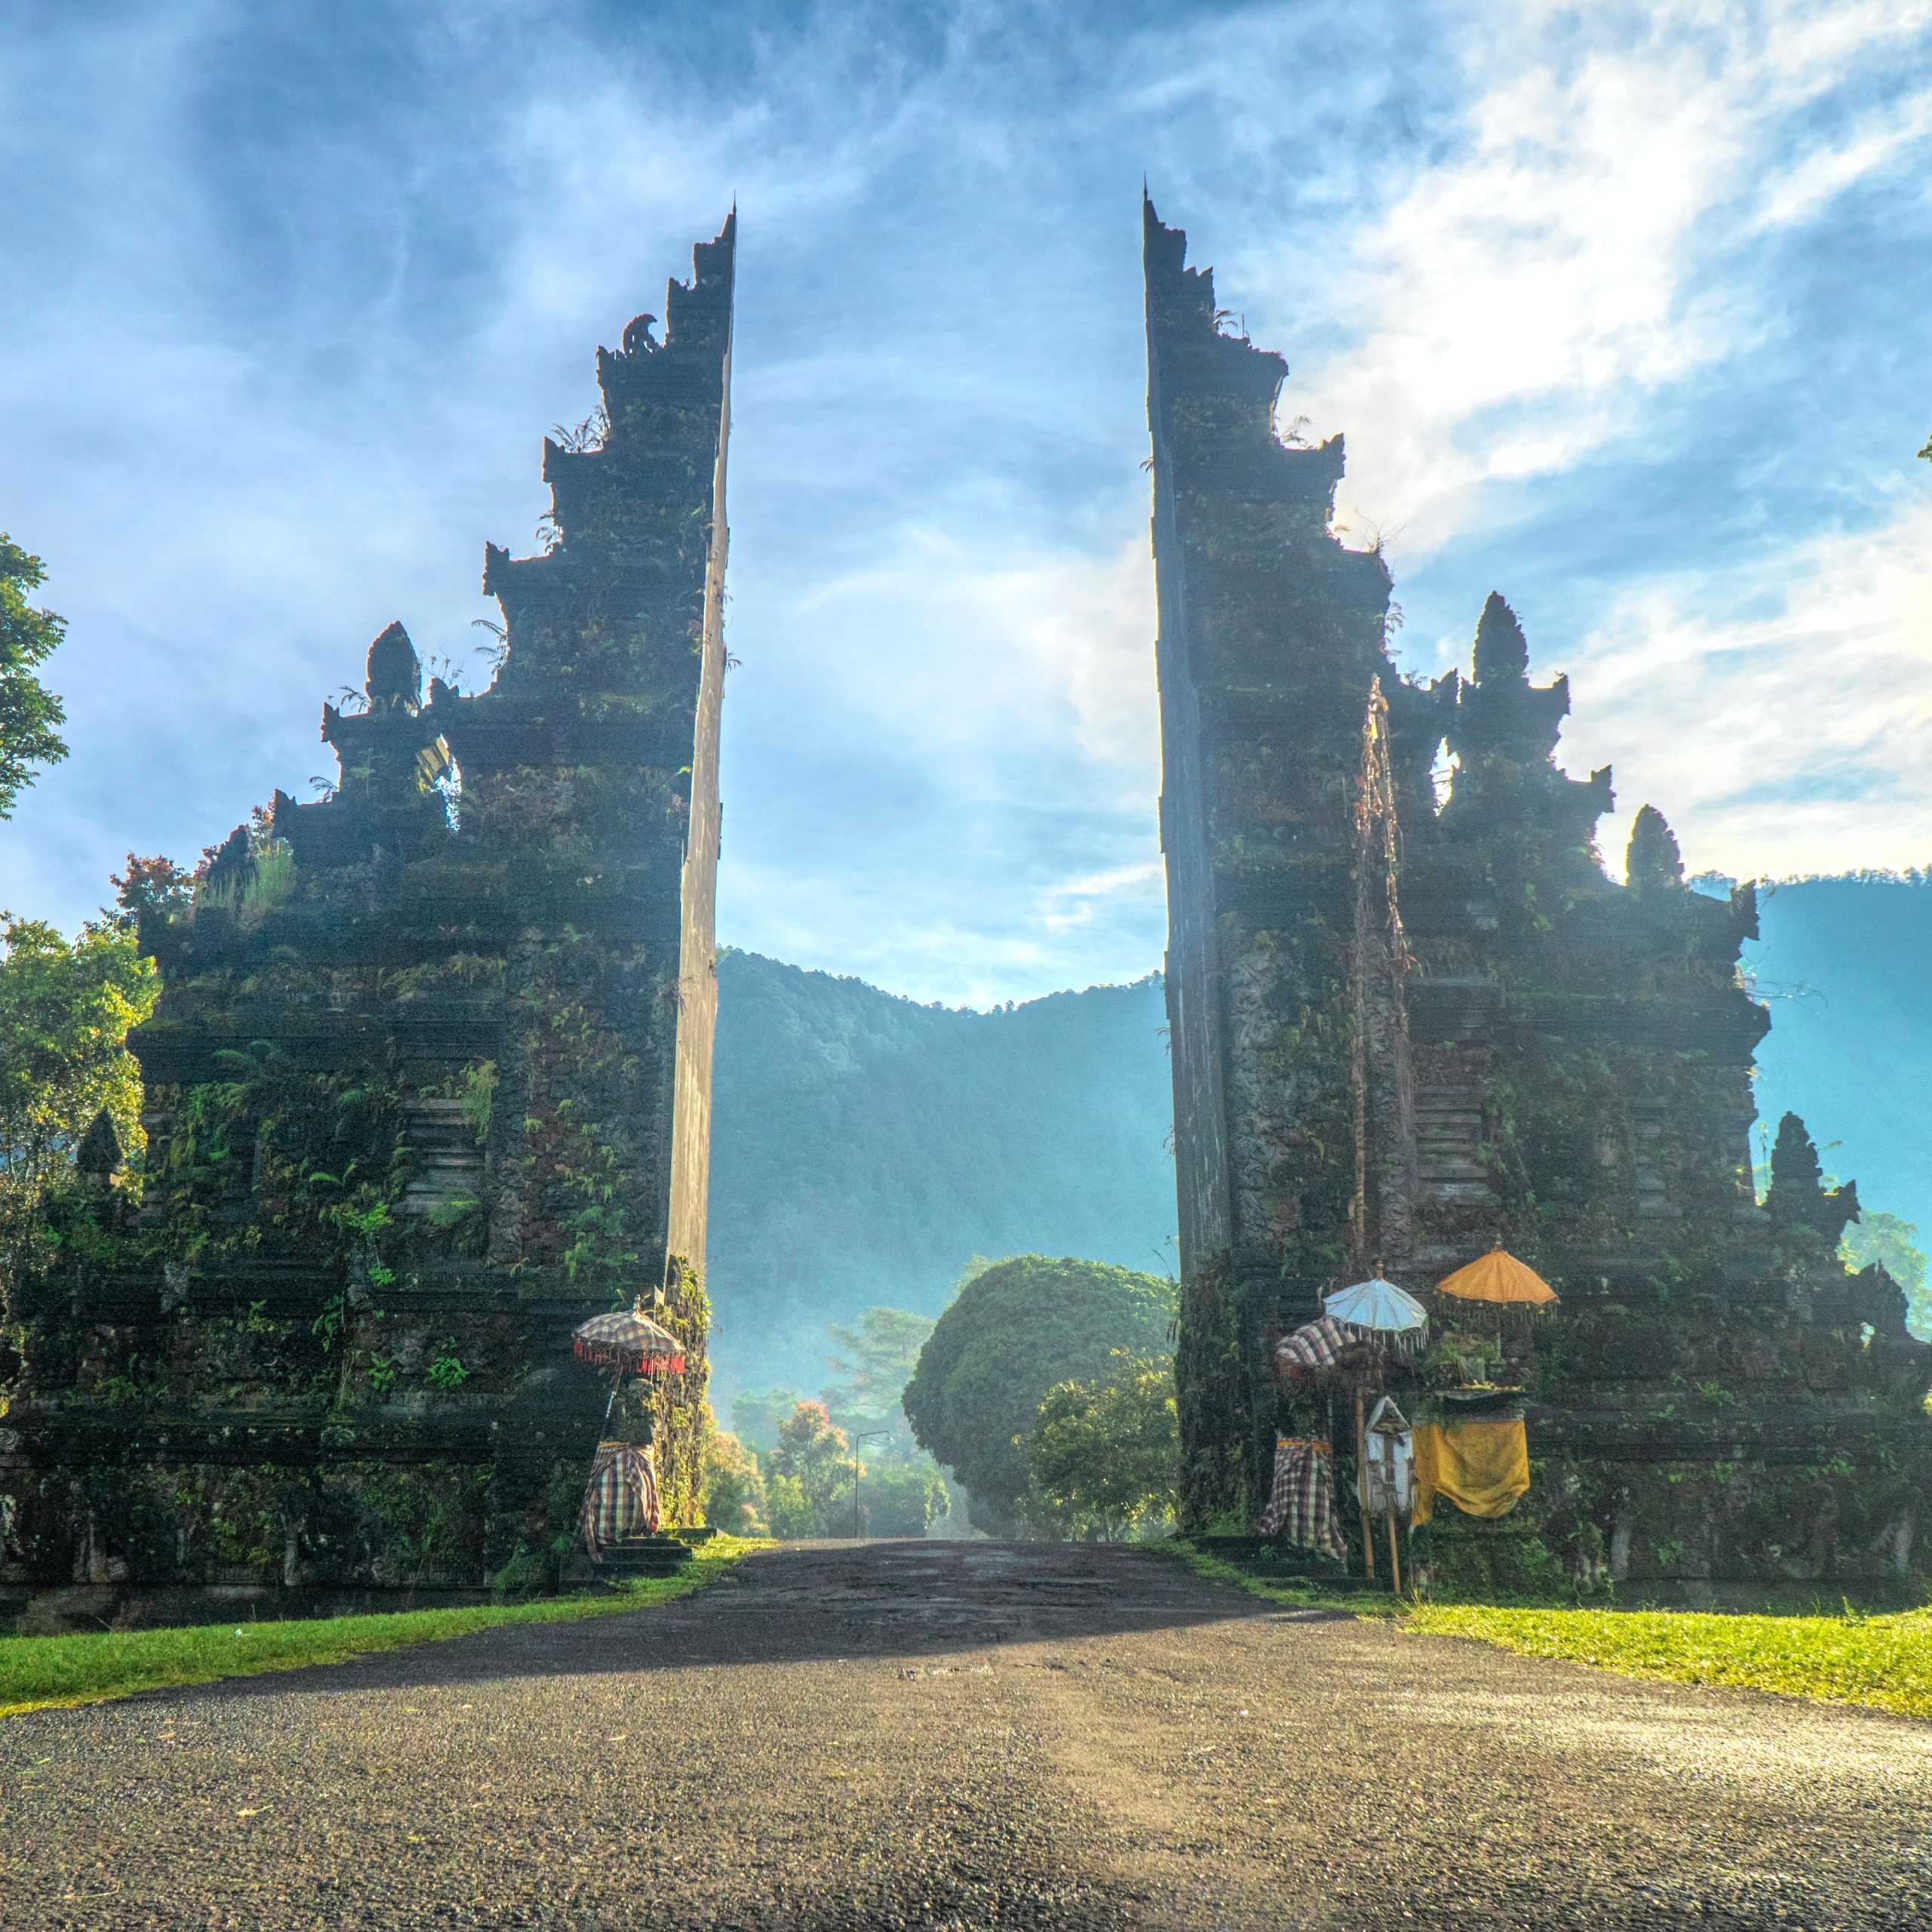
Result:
{"points": [[1624, 310]]}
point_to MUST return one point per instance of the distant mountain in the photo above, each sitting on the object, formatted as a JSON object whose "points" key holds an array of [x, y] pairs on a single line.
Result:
{"points": [[864, 1148]]}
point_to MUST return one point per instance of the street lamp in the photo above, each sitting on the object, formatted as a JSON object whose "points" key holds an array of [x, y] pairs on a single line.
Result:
{"points": [[858, 1463]]}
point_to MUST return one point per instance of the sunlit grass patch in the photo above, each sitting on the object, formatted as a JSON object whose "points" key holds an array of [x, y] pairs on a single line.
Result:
{"points": [[39, 1672], [1885, 1661]]}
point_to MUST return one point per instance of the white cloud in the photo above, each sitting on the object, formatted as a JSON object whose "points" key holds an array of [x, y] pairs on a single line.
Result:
{"points": [[1078, 902], [1791, 742], [1516, 304]]}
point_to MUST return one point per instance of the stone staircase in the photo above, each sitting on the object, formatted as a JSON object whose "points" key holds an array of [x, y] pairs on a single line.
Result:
{"points": [[1449, 1147], [663, 1555], [448, 1163]]}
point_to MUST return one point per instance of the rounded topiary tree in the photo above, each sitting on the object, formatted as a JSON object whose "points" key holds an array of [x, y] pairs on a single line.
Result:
{"points": [[1016, 1329]]}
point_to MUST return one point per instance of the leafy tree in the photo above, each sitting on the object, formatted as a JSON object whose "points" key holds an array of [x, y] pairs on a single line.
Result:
{"points": [[151, 885], [735, 1499], [880, 1353], [30, 715], [811, 1475], [1016, 1329], [1103, 1456], [65, 1010], [1893, 1243], [900, 1499], [756, 1414]]}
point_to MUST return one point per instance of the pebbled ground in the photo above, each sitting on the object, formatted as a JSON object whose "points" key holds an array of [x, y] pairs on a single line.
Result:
{"points": [[960, 1736]]}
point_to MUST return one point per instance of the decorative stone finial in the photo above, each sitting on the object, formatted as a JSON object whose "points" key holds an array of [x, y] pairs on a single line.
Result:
{"points": [[1502, 652], [1799, 1197], [1654, 863], [99, 1156], [395, 673], [233, 865]]}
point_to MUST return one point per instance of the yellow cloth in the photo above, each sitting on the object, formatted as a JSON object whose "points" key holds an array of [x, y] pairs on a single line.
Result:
{"points": [[1482, 1467]]}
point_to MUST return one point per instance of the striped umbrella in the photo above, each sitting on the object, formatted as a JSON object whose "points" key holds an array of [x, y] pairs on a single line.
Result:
{"points": [[628, 1339]]}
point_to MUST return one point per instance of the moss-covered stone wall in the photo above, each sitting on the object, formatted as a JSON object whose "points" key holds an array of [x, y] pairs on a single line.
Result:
{"points": [[1495, 1043], [413, 1086]]}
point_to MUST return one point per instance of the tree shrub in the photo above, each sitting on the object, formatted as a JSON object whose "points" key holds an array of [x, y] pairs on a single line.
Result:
{"points": [[1103, 1458], [1016, 1329], [734, 1497]]}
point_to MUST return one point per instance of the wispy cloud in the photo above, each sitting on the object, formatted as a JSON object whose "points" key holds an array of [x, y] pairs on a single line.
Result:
{"points": [[1785, 743], [1523, 297], [288, 296]]}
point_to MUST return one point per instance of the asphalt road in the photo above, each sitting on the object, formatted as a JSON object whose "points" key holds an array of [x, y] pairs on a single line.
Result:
{"points": [[960, 1736]]}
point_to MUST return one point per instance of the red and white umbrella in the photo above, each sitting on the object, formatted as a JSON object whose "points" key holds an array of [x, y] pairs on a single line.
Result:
{"points": [[628, 1339]]}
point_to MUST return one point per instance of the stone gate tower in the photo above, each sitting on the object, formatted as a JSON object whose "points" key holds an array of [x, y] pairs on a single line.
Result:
{"points": [[429, 1083], [1404, 1029]]}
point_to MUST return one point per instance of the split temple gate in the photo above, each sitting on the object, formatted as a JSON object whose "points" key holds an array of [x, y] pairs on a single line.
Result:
{"points": [[1406, 1027], [429, 1083]]}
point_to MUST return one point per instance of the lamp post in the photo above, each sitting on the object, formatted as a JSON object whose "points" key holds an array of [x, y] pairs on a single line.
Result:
{"points": [[858, 1463]]}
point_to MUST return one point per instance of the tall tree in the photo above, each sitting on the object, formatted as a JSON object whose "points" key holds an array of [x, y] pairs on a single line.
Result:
{"points": [[810, 1484], [1017, 1329], [30, 714], [879, 1354]]}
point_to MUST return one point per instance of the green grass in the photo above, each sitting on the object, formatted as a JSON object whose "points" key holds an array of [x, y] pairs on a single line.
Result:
{"points": [[38, 1673], [1299, 1595], [1882, 1661]]}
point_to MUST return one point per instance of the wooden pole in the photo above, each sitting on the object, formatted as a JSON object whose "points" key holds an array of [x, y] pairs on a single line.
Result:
{"points": [[1361, 1485], [1395, 1561]]}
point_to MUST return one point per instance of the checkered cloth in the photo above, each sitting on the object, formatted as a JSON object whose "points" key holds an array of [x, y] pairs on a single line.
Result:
{"points": [[622, 1496], [1314, 1348], [1302, 1506]]}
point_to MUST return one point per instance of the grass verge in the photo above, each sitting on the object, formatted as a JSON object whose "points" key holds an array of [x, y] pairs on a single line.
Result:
{"points": [[42, 1673], [1885, 1661], [1882, 1661], [1296, 1593]]}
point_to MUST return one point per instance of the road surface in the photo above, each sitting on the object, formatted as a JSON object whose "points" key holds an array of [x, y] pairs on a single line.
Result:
{"points": [[960, 1736]]}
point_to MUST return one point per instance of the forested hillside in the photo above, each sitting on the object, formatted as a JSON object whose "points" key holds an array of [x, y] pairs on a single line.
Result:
{"points": [[865, 1148]]}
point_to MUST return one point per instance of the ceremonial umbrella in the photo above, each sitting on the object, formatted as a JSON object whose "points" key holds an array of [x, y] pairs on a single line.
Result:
{"points": [[1383, 1313], [628, 1339], [1390, 1319], [1499, 1277]]}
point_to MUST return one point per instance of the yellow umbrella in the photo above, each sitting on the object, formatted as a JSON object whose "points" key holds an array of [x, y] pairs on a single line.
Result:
{"points": [[1499, 1277]]}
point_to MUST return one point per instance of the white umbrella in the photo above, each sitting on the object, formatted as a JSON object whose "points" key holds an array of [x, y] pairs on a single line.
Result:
{"points": [[1379, 1309]]}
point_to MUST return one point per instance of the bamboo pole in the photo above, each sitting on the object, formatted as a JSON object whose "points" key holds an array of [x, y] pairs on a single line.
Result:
{"points": [[1361, 1485]]}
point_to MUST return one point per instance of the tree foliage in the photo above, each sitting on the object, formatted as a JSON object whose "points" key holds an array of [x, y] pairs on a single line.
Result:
{"points": [[734, 1498], [881, 1351], [757, 1414], [65, 1008], [1893, 1243], [30, 715], [810, 1476], [1103, 1458], [1016, 1329]]}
